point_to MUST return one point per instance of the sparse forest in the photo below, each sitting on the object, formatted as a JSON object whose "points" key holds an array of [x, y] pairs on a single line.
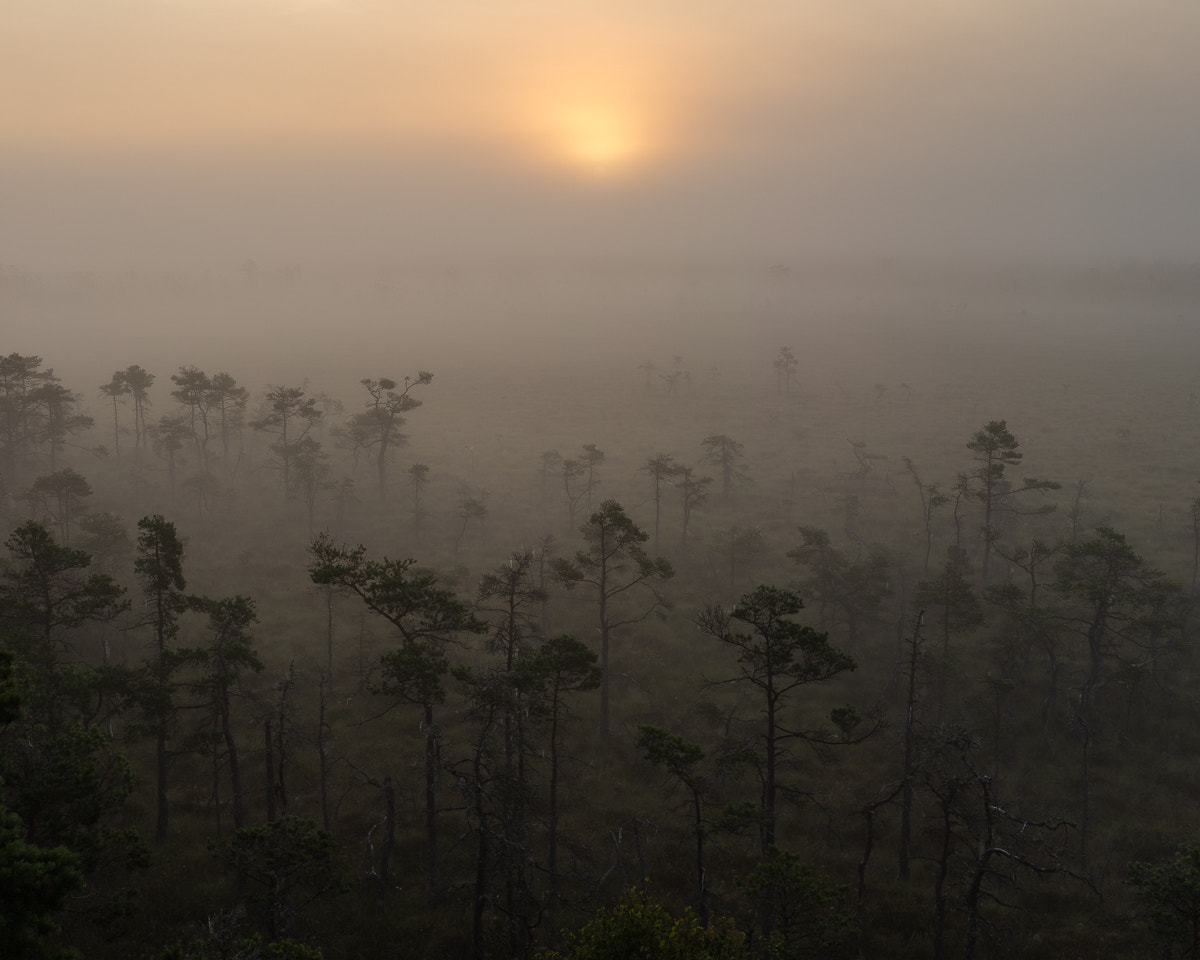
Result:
{"points": [[648, 657]]}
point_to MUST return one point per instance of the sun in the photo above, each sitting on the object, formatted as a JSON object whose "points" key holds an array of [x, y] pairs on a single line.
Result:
{"points": [[601, 139], [598, 130]]}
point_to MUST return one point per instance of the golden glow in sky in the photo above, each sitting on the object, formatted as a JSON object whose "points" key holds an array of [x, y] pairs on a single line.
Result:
{"points": [[589, 89], [746, 123], [587, 131], [599, 137]]}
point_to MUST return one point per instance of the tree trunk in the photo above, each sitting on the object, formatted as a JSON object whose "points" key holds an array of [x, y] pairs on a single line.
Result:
{"points": [[235, 771], [270, 772], [432, 881]]}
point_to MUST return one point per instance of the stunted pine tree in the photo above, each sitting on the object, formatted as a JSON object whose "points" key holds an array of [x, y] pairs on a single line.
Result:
{"points": [[660, 468], [227, 401], [57, 496], [56, 417], [139, 382], [693, 492], [591, 458], [289, 416], [785, 365], [726, 453], [114, 390], [427, 617], [561, 666], [775, 658], [619, 570], [159, 565], [377, 428], [229, 652], [1110, 591], [193, 392], [20, 378], [995, 449]]}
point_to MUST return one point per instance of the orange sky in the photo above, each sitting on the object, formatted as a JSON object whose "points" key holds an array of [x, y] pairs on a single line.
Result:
{"points": [[534, 77], [894, 118]]}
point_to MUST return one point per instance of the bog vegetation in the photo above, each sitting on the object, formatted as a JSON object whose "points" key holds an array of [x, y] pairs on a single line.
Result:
{"points": [[667, 662]]}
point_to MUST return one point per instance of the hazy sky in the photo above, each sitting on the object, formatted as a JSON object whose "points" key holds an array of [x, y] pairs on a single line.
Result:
{"points": [[206, 132]]}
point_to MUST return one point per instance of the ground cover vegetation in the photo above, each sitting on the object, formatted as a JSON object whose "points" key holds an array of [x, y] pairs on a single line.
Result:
{"points": [[663, 663]]}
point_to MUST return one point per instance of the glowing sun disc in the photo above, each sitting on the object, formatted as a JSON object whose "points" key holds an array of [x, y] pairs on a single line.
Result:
{"points": [[597, 139]]}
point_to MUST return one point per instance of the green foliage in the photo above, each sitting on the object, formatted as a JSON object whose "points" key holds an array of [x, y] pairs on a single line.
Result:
{"points": [[291, 861], [614, 564], [45, 591], [849, 593], [57, 496], [221, 945], [668, 750], [613, 539], [995, 449], [231, 648], [1117, 602], [160, 560], [58, 771], [776, 658], [10, 698], [34, 885], [1169, 891], [640, 928], [810, 915], [377, 428], [779, 651], [410, 600]]}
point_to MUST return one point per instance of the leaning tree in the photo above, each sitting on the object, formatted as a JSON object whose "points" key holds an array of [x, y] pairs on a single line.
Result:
{"points": [[427, 618]]}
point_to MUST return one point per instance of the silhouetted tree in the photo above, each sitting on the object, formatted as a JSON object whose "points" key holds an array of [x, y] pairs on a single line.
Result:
{"points": [[502, 695], [693, 492], [57, 497], [660, 468], [159, 565], [418, 475], [139, 382], [470, 509], [55, 417], [193, 392], [59, 771], [561, 666], [289, 416], [1169, 891], [377, 429], [591, 458], [725, 452], [951, 607], [20, 378], [426, 617], [571, 471], [115, 389], [995, 449], [229, 651], [1109, 588], [168, 437], [775, 659], [615, 565], [785, 366], [682, 761], [291, 862], [931, 499], [310, 471], [849, 593], [227, 401]]}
